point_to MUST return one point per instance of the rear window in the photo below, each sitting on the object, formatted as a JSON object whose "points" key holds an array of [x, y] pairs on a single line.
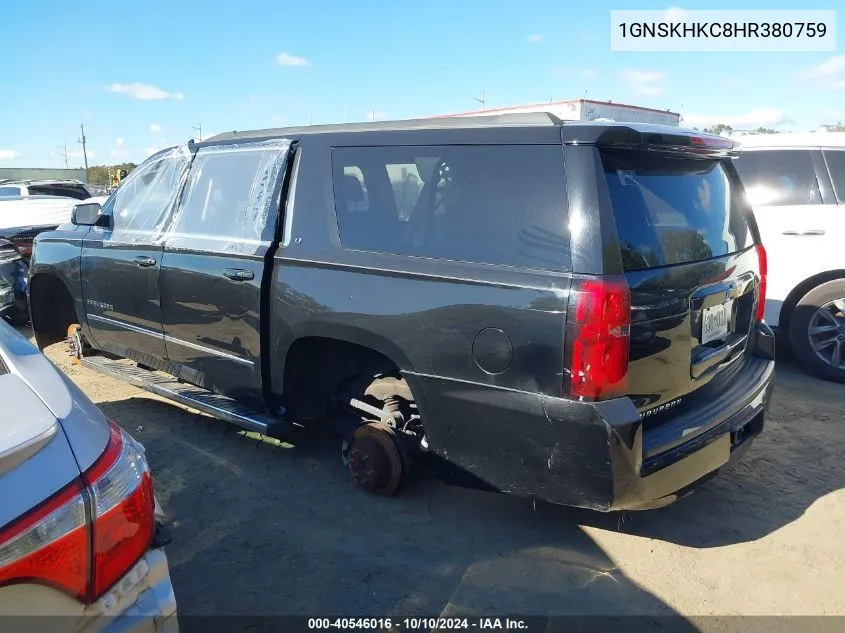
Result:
{"points": [[501, 205], [66, 191], [674, 210]]}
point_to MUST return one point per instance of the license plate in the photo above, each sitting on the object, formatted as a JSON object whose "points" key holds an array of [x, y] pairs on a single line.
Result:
{"points": [[714, 322]]}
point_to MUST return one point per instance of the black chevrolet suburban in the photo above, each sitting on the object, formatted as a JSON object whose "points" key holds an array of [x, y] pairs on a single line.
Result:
{"points": [[562, 311]]}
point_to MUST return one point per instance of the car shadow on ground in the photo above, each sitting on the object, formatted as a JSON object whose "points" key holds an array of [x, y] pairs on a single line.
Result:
{"points": [[261, 530]]}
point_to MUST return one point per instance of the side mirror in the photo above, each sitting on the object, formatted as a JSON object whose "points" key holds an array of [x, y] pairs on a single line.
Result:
{"points": [[86, 214]]}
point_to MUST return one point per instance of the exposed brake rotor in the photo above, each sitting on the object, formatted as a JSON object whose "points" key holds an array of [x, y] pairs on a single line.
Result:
{"points": [[375, 460], [74, 340]]}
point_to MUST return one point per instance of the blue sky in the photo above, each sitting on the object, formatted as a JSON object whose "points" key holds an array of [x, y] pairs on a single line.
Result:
{"points": [[139, 75]]}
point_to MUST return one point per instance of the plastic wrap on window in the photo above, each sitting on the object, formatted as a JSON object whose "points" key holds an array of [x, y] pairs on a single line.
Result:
{"points": [[229, 197], [142, 205]]}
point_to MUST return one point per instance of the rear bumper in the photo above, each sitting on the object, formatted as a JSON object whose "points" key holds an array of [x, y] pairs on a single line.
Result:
{"points": [[152, 611], [594, 455]]}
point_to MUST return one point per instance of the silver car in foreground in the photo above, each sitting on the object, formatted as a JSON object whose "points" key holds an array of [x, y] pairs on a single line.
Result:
{"points": [[79, 544]]}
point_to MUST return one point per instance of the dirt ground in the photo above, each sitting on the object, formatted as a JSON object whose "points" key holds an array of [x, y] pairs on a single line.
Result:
{"points": [[262, 529]]}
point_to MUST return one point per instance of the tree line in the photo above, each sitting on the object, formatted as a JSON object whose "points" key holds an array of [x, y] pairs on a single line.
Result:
{"points": [[722, 128], [99, 174]]}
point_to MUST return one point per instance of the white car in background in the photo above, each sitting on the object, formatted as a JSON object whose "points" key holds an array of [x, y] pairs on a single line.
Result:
{"points": [[796, 185], [30, 207], [79, 534]]}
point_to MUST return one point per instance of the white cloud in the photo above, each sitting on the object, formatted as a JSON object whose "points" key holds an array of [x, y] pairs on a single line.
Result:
{"points": [[759, 117], [675, 14], [286, 59], [589, 73], [9, 154], [560, 73], [646, 83], [829, 75], [118, 142], [77, 153], [155, 128], [536, 38], [278, 119], [376, 115], [145, 92]]}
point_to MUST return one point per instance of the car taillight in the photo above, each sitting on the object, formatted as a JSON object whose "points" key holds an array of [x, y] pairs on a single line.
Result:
{"points": [[49, 544], [24, 248], [85, 552], [598, 338], [764, 273]]}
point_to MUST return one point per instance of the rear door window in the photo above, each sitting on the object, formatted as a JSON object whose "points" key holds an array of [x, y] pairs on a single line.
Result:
{"points": [[835, 159], [9, 191], [779, 177], [230, 197], [501, 205], [674, 210]]}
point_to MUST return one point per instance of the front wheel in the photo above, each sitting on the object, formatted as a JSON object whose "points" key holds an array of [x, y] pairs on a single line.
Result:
{"points": [[817, 331]]}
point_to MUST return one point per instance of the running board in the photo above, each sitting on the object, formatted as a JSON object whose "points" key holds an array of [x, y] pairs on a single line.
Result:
{"points": [[166, 386]]}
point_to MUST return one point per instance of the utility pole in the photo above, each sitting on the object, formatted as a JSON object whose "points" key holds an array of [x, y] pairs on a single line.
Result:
{"points": [[84, 150], [372, 115], [198, 128], [480, 99], [62, 152]]}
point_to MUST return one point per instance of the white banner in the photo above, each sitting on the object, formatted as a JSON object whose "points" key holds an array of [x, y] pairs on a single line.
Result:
{"points": [[678, 30]]}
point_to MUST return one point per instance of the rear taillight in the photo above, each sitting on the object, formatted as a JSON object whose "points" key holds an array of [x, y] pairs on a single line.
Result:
{"points": [[84, 552], [764, 273], [598, 338], [49, 545], [24, 248]]}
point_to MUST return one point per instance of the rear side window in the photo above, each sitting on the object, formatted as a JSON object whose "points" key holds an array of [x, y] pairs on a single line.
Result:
{"points": [[490, 204], [674, 210], [779, 177], [9, 191], [835, 160]]}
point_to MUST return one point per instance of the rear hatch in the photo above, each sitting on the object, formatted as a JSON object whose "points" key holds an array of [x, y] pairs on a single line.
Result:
{"points": [[688, 245]]}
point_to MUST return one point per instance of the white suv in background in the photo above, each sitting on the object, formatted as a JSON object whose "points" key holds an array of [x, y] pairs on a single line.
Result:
{"points": [[796, 184]]}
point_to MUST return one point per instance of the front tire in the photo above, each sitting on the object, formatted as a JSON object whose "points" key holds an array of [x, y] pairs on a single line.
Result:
{"points": [[817, 331]]}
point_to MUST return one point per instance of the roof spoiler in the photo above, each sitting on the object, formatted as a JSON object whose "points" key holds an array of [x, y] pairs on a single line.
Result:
{"points": [[658, 138]]}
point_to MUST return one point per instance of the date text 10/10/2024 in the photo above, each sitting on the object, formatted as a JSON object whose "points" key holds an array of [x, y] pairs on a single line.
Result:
{"points": [[418, 624]]}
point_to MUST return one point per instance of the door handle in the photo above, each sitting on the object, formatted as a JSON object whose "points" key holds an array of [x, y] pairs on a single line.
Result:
{"points": [[145, 262], [238, 274], [807, 232]]}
